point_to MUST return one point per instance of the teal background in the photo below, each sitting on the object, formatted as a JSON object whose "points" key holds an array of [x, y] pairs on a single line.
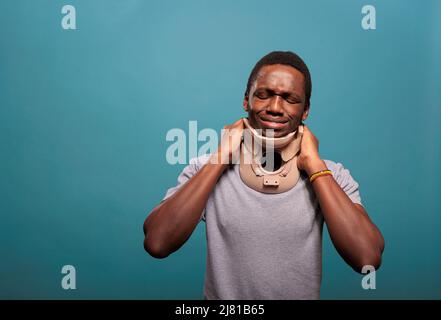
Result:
{"points": [[84, 114]]}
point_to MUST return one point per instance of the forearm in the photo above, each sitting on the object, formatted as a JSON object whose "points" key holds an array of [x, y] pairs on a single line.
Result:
{"points": [[172, 222], [353, 234]]}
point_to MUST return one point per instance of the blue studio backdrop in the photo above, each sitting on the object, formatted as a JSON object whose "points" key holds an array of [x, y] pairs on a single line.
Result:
{"points": [[84, 114]]}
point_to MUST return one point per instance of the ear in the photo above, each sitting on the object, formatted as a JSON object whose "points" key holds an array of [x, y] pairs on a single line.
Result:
{"points": [[245, 103], [305, 113]]}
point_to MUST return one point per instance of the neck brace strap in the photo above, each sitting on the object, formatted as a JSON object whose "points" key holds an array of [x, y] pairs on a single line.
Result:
{"points": [[251, 171]]}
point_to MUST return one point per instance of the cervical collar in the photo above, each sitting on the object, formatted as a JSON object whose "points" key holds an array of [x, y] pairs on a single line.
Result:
{"points": [[254, 146]]}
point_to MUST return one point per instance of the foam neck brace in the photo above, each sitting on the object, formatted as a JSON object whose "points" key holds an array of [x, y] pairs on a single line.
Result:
{"points": [[254, 175]]}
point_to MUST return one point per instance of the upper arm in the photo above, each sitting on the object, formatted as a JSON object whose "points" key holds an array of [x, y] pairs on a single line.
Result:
{"points": [[187, 173], [345, 180]]}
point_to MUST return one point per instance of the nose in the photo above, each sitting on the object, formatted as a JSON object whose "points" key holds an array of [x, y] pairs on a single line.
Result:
{"points": [[275, 105]]}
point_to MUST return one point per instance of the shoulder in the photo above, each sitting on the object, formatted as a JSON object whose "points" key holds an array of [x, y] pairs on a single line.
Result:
{"points": [[334, 166], [344, 178], [341, 173], [198, 162], [195, 164], [188, 172]]}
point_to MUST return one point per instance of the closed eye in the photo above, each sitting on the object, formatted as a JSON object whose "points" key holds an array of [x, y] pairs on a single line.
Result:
{"points": [[262, 94], [291, 99]]}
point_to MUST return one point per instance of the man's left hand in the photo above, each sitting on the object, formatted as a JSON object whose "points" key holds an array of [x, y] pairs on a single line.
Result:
{"points": [[309, 159]]}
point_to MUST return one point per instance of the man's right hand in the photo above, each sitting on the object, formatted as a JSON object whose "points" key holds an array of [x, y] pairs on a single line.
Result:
{"points": [[229, 146]]}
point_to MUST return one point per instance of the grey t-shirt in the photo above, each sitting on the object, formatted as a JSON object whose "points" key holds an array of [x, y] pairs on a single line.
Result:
{"points": [[263, 246]]}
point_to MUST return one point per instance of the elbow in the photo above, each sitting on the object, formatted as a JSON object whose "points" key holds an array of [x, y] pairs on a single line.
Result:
{"points": [[370, 258], [155, 249], [151, 246], [368, 262]]}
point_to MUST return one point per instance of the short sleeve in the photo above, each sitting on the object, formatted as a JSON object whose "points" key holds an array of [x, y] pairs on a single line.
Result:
{"points": [[187, 173], [344, 179]]}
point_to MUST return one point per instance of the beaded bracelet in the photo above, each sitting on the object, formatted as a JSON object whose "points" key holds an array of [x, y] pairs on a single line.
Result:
{"points": [[319, 174]]}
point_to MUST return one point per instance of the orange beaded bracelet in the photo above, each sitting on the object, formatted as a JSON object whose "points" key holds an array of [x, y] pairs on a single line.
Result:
{"points": [[319, 174]]}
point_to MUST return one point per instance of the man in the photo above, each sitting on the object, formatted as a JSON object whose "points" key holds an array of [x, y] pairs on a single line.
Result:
{"points": [[260, 245]]}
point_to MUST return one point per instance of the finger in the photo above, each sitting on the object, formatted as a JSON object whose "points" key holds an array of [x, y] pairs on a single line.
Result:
{"points": [[238, 123], [234, 124]]}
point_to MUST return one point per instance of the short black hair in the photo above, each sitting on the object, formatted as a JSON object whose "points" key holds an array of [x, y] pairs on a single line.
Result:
{"points": [[287, 58]]}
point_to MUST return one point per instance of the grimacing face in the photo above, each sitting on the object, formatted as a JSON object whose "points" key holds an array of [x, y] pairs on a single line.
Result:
{"points": [[277, 100]]}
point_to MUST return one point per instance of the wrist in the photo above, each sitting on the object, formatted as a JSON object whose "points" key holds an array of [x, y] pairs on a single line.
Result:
{"points": [[314, 166]]}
